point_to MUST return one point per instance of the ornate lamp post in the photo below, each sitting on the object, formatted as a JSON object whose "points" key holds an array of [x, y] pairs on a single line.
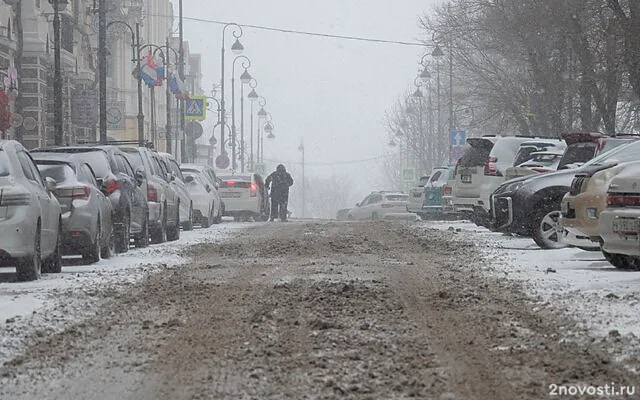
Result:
{"points": [[437, 54], [244, 78], [252, 96], [58, 134], [268, 128], [236, 48], [262, 114]]}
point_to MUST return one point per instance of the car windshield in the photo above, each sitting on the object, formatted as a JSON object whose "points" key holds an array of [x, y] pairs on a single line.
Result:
{"points": [[545, 160], [505, 150], [135, 158], [578, 153], [524, 154], [397, 197], [621, 153], [59, 172], [4, 164], [475, 154]]}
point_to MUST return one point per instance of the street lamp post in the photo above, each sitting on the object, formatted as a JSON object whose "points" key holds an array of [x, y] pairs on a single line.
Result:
{"points": [[252, 96], [301, 149], [421, 154], [135, 48], [236, 48], [213, 140], [262, 114], [268, 128], [245, 78], [58, 5]]}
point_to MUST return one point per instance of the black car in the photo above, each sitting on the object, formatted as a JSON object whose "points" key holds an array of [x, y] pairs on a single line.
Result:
{"points": [[122, 185], [530, 205]]}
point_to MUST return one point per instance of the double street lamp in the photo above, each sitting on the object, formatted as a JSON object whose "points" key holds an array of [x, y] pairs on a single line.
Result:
{"points": [[252, 96], [58, 135], [262, 114], [245, 78], [236, 48]]}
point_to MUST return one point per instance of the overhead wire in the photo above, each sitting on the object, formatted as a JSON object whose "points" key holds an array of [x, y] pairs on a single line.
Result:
{"points": [[351, 162], [299, 32]]}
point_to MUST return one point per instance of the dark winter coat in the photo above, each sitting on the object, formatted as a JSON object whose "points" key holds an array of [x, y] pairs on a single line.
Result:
{"points": [[279, 181]]}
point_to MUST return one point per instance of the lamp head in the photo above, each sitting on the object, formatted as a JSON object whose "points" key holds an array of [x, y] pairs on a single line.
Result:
{"points": [[253, 96], [237, 47], [245, 77], [425, 75], [268, 127], [392, 143], [61, 4], [417, 94], [437, 52], [262, 113]]}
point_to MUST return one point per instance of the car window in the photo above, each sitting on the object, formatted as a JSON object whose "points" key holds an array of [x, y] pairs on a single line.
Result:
{"points": [[524, 154], [505, 150], [127, 167], [475, 156], [86, 175], [397, 197], [98, 162], [175, 168], [61, 173], [25, 162], [5, 169], [620, 153], [135, 158], [423, 181], [578, 153], [376, 198], [436, 175], [159, 169]]}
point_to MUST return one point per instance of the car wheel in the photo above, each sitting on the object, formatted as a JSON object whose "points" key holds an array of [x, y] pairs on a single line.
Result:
{"points": [[123, 234], [93, 253], [218, 218], [621, 261], [142, 239], [159, 235], [29, 268], [110, 249], [53, 263], [187, 226], [173, 233], [547, 229]]}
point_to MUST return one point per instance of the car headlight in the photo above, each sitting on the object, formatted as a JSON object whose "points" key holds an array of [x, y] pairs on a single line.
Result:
{"points": [[509, 187], [599, 181]]}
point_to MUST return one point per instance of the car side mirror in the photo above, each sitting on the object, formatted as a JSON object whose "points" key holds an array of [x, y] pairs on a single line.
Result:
{"points": [[100, 183], [50, 184], [208, 188], [187, 179], [172, 177], [357, 204], [140, 176]]}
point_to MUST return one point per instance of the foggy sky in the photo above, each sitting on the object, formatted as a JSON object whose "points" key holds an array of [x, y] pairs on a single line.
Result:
{"points": [[331, 92]]}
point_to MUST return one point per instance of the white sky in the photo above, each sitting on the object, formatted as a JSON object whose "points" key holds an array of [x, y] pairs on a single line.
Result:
{"points": [[331, 92]]}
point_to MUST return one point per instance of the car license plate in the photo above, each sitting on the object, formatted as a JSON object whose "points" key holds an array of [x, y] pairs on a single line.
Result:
{"points": [[230, 195], [626, 225], [465, 178]]}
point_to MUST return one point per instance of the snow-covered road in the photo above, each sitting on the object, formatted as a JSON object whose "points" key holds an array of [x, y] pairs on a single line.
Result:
{"points": [[580, 283], [56, 300]]}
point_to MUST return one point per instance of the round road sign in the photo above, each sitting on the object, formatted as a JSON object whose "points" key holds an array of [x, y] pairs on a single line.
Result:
{"points": [[29, 123], [222, 161]]}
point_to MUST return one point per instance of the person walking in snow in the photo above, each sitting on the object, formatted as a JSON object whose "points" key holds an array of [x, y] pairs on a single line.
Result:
{"points": [[279, 181]]}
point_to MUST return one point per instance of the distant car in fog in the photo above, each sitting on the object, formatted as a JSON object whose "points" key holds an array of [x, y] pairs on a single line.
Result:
{"points": [[342, 214], [378, 205]]}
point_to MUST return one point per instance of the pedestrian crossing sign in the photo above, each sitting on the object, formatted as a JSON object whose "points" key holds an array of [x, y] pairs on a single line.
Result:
{"points": [[195, 108]]}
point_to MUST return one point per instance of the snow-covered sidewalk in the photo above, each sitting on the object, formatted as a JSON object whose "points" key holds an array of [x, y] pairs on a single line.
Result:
{"points": [[56, 301], [580, 283]]}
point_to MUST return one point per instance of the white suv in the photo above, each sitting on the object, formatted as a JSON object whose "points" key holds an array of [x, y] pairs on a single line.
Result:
{"points": [[480, 171]]}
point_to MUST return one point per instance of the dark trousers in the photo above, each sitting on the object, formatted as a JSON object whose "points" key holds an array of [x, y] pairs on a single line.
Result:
{"points": [[279, 202]]}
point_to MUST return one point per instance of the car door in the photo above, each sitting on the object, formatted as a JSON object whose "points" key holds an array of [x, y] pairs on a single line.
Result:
{"points": [[359, 211], [46, 200], [178, 184], [374, 207], [171, 195], [85, 175], [134, 192]]}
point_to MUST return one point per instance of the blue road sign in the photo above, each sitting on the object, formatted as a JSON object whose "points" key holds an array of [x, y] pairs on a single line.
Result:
{"points": [[457, 138], [195, 108]]}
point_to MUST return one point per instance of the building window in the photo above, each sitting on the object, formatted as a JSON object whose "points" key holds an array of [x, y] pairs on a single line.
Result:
{"points": [[66, 32]]}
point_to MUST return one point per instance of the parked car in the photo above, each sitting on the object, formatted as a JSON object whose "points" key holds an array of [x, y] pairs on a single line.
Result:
{"points": [[480, 170], [539, 163], [162, 200], [530, 205], [214, 182], [207, 207], [30, 215], [530, 147], [619, 222], [586, 199], [244, 197], [122, 185], [416, 196], [176, 179], [434, 191], [379, 205], [87, 225], [342, 214], [583, 146]]}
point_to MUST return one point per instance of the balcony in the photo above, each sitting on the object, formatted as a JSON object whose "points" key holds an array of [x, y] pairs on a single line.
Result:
{"points": [[7, 38]]}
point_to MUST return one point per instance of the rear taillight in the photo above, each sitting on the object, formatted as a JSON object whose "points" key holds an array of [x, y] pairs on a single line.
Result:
{"points": [[447, 190], [8, 199], [623, 200], [490, 167], [253, 190], [74, 193], [152, 194], [111, 186]]}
